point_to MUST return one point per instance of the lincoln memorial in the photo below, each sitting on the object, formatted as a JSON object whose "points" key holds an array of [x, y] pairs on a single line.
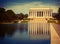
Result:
{"points": [[40, 13]]}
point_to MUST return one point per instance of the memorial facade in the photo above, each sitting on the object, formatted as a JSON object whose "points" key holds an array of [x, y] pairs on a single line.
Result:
{"points": [[40, 13]]}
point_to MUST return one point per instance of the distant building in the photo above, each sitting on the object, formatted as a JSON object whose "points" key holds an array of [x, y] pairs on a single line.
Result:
{"points": [[40, 13]]}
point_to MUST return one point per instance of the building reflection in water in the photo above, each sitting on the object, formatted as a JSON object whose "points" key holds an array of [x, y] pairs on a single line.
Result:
{"points": [[29, 30], [39, 30]]}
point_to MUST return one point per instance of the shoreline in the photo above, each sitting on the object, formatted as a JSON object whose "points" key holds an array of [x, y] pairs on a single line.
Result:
{"points": [[13, 22], [28, 20]]}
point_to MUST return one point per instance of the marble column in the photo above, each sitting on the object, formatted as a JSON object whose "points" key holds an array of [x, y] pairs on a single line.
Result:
{"points": [[51, 14], [41, 13], [36, 14], [44, 13]]}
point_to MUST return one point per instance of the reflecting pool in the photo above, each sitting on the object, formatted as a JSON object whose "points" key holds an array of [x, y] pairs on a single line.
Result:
{"points": [[25, 33]]}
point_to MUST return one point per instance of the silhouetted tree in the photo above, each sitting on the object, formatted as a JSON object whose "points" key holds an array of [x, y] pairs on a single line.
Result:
{"points": [[57, 16], [6, 16], [20, 16], [26, 16], [11, 15], [2, 14], [59, 11]]}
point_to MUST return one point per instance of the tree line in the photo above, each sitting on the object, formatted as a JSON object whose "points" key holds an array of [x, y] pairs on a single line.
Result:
{"points": [[9, 15]]}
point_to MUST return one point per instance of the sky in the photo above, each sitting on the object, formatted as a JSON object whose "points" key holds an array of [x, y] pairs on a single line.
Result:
{"points": [[23, 6]]}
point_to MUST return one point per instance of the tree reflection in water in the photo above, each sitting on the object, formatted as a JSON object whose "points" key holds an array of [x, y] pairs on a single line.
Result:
{"points": [[6, 29], [9, 29]]}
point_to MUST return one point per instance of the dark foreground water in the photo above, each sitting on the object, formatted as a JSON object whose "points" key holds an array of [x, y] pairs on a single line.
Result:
{"points": [[25, 33]]}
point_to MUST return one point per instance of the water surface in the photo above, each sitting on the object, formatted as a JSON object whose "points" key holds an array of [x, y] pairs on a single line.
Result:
{"points": [[25, 33]]}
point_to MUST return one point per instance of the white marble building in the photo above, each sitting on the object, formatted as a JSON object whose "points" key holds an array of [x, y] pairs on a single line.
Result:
{"points": [[40, 13]]}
